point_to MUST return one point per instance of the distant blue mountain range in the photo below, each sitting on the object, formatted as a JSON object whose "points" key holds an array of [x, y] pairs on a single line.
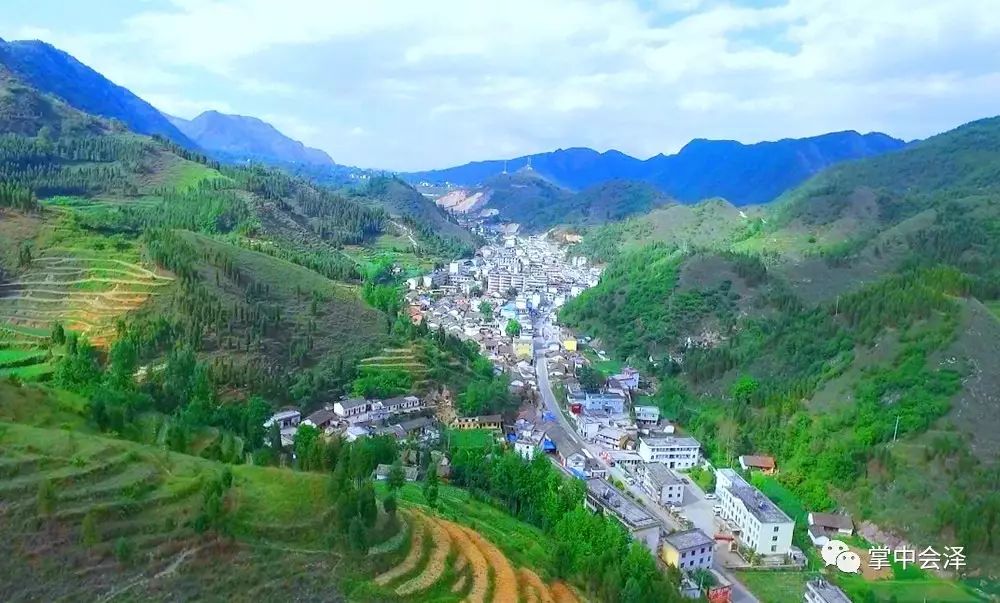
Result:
{"points": [[743, 174]]}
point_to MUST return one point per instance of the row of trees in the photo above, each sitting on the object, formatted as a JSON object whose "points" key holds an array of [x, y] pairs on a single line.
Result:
{"points": [[591, 549]]}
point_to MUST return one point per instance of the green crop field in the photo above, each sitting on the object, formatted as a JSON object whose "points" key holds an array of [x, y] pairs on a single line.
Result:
{"points": [[776, 587], [13, 358], [907, 591], [470, 438]]}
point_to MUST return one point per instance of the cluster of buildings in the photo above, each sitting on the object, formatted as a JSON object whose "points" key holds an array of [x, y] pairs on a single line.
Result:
{"points": [[518, 277], [353, 418]]}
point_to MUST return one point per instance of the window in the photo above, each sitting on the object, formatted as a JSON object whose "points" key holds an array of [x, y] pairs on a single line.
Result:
{"points": [[774, 539], [775, 528], [774, 548]]}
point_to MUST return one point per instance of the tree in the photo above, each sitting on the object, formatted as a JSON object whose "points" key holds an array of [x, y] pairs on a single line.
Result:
{"points": [[513, 328], [367, 507], [591, 379], [46, 498], [123, 360], [305, 439], [397, 476], [58, 334], [744, 388], [274, 436], [389, 504], [357, 535], [486, 309], [89, 534], [431, 486], [382, 383], [123, 550]]}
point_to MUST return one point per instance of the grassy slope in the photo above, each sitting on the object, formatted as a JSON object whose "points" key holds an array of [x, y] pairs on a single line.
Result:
{"points": [[345, 325], [400, 199], [873, 213], [147, 497]]}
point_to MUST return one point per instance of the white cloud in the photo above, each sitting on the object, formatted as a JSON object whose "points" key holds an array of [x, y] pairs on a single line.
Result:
{"points": [[407, 85]]}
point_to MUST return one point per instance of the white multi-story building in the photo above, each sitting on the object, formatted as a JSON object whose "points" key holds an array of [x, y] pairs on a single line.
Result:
{"points": [[498, 282], [760, 525], [674, 452], [647, 415], [609, 402], [661, 483]]}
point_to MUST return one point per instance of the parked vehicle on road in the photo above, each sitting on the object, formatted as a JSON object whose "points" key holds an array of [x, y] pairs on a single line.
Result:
{"points": [[711, 496]]}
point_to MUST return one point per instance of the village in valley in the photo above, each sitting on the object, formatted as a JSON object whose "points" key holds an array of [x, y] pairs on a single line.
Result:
{"points": [[638, 466]]}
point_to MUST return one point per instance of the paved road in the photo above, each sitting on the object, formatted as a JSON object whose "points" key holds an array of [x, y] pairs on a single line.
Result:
{"points": [[695, 506]]}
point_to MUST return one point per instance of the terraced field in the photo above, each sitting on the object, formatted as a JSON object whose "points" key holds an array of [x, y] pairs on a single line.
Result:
{"points": [[446, 560], [406, 359], [85, 293], [87, 518]]}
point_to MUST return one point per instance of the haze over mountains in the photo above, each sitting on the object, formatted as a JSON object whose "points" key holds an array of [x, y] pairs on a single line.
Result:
{"points": [[743, 174], [240, 138]]}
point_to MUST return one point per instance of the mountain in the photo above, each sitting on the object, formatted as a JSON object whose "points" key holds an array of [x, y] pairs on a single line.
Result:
{"points": [[757, 173], [848, 329], [25, 111], [238, 138], [573, 168], [52, 71], [742, 174], [416, 214], [532, 200]]}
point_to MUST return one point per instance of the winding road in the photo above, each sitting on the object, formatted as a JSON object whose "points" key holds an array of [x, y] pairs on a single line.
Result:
{"points": [[696, 507]]}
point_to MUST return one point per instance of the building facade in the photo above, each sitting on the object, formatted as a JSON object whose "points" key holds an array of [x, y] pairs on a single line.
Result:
{"points": [[646, 416], [689, 550], [661, 483], [762, 527], [674, 452]]}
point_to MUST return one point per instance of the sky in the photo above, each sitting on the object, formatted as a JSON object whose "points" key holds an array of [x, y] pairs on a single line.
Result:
{"points": [[404, 85]]}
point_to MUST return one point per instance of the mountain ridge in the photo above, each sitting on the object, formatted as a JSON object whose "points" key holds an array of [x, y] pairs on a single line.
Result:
{"points": [[56, 72], [745, 174], [241, 137]]}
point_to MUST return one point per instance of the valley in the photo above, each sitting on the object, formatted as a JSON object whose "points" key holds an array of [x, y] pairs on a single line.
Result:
{"points": [[234, 368]]}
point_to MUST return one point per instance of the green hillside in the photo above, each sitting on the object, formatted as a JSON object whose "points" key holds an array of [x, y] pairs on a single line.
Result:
{"points": [[417, 216], [808, 330], [709, 224], [537, 204]]}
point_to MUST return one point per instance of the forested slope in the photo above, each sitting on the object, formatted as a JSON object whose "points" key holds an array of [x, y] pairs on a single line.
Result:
{"points": [[855, 303]]}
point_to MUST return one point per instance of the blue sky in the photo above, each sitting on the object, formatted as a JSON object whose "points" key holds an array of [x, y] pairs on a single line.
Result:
{"points": [[412, 85]]}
